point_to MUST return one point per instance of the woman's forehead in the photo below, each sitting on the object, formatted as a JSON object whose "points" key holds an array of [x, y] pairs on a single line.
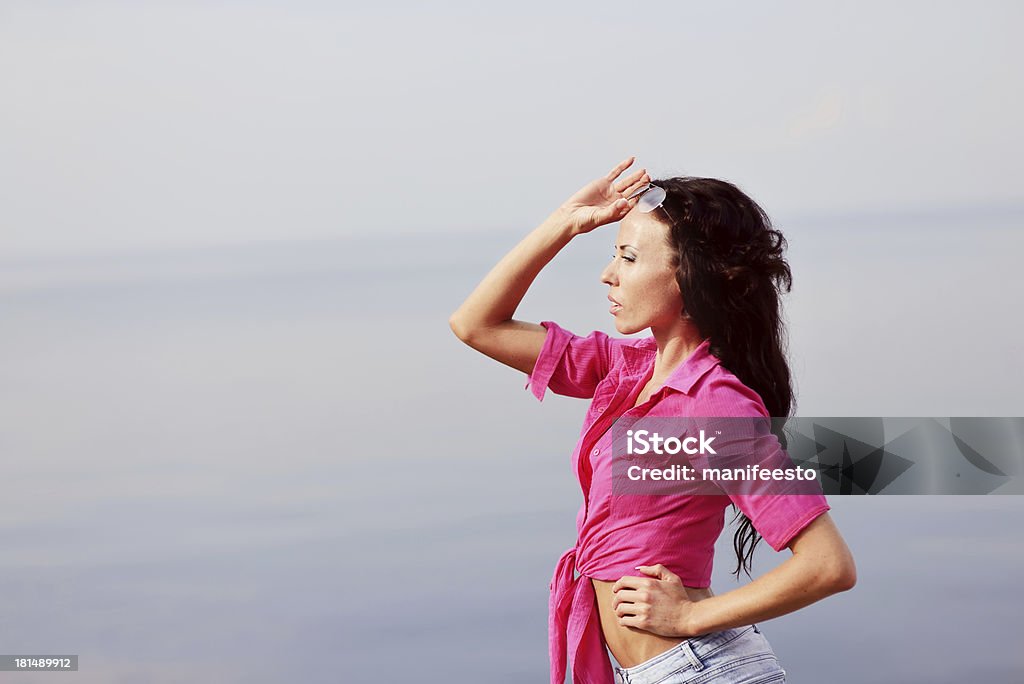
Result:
{"points": [[638, 229]]}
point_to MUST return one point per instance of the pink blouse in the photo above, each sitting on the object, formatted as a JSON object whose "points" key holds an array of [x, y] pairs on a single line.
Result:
{"points": [[615, 535]]}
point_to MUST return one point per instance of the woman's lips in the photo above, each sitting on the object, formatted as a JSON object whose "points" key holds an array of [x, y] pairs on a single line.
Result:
{"points": [[615, 307]]}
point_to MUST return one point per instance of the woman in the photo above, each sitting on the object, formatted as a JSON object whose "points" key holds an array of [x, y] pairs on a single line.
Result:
{"points": [[698, 263]]}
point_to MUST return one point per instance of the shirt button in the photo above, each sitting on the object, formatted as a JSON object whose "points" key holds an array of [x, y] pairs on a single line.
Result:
{"points": [[595, 452], [600, 409]]}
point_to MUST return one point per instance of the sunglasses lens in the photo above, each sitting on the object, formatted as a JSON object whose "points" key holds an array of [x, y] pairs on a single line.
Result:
{"points": [[651, 199]]}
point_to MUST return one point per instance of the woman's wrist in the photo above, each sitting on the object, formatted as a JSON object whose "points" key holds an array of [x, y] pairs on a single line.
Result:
{"points": [[560, 224], [689, 622]]}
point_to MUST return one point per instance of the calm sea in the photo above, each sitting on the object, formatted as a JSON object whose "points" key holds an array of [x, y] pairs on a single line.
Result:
{"points": [[275, 463]]}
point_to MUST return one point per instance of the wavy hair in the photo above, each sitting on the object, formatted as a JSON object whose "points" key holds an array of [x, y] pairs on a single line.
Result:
{"points": [[731, 271]]}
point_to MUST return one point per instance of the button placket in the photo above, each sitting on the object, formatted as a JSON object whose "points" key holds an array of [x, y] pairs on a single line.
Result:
{"points": [[622, 391], [584, 466]]}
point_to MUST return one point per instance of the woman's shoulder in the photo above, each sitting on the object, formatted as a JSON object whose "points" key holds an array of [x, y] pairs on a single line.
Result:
{"points": [[721, 393]]}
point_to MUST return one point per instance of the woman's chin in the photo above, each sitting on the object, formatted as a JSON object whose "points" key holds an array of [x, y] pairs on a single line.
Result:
{"points": [[623, 327]]}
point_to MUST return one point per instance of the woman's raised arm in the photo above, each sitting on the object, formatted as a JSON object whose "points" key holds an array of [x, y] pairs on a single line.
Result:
{"points": [[484, 321]]}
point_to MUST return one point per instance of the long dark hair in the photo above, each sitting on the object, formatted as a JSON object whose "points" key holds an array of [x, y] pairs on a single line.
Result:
{"points": [[731, 271]]}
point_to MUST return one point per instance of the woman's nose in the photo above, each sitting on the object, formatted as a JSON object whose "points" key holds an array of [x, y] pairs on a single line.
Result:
{"points": [[608, 273]]}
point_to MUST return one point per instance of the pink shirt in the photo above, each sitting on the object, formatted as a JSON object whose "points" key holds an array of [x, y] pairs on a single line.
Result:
{"points": [[615, 535]]}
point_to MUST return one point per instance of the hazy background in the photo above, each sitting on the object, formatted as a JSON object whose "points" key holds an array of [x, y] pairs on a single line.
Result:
{"points": [[239, 442]]}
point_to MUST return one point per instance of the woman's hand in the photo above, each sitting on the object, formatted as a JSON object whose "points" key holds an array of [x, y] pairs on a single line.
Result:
{"points": [[603, 200], [656, 604]]}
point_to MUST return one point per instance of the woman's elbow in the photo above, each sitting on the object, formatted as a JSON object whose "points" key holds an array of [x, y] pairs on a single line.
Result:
{"points": [[843, 576], [462, 329], [456, 325]]}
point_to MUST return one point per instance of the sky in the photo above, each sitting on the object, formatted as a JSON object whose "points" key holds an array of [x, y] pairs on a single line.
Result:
{"points": [[149, 125]]}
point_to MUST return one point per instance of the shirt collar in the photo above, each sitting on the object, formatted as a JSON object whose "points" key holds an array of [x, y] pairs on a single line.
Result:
{"points": [[640, 356]]}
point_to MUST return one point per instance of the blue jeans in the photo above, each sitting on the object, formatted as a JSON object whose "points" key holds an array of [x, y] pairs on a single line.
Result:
{"points": [[740, 655]]}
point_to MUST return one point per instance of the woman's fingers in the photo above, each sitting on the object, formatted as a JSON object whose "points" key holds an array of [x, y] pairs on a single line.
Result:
{"points": [[622, 166], [629, 181], [640, 182], [604, 200]]}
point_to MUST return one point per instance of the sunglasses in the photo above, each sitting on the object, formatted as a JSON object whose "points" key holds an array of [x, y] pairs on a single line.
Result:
{"points": [[651, 196]]}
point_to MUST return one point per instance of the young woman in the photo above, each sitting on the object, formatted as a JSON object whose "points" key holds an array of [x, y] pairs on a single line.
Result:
{"points": [[698, 263]]}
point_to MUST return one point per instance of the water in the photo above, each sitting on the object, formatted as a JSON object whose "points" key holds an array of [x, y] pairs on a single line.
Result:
{"points": [[275, 463]]}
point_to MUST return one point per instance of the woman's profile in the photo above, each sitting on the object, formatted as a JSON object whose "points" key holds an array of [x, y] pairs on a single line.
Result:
{"points": [[698, 263]]}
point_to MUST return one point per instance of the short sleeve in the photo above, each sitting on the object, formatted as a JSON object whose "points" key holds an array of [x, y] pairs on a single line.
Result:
{"points": [[570, 365], [779, 510], [780, 517]]}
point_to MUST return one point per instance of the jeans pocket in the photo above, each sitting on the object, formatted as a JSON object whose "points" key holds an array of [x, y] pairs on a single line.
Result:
{"points": [[745, 659]]}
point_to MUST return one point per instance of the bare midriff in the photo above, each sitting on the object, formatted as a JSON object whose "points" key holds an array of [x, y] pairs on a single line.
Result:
{"points": [[631, 645]]}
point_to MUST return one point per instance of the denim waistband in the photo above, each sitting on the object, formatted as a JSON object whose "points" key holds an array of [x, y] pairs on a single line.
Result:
{"points": [[696, 649]]}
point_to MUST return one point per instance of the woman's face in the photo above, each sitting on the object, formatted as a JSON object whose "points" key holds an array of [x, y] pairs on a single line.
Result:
{"points": [[641, 276]]}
